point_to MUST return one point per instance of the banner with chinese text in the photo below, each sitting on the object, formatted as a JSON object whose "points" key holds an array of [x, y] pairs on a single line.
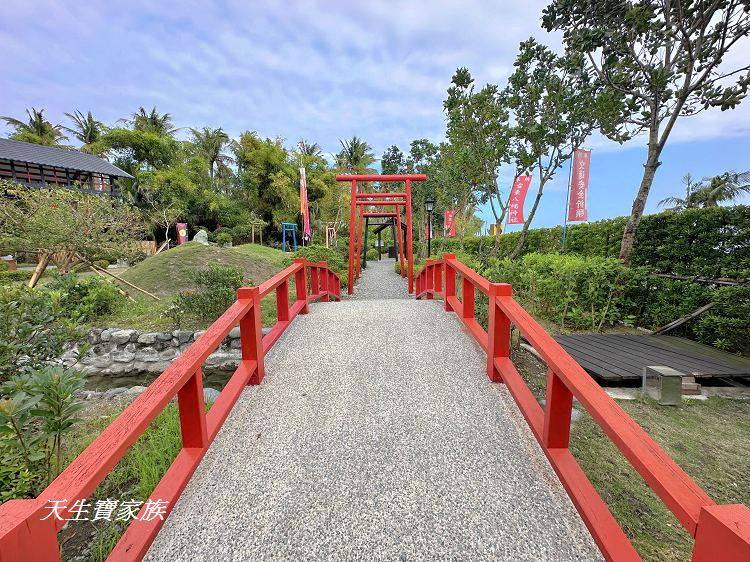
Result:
{"points": [[449, 225], [517, 198], [579, 186]]}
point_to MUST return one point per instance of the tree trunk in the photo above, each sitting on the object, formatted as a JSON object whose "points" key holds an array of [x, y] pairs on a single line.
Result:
{"points": [[519, 245], [40, 267], [628, 236]]}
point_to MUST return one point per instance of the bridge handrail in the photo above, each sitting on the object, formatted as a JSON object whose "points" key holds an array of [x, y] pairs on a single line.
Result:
{"points": [[25, 533], [720, 531]]}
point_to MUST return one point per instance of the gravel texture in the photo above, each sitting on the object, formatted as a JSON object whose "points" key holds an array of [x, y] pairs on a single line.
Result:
{"points": [[376, 435], [380, 281]]}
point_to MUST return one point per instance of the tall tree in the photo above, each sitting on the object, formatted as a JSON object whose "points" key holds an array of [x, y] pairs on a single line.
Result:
{"points": [[152, 122], [392, 162], [478, 129], [85, 128], [36, 129], [210, 144], [355, 156], [690, 200], [663, 60], [556, 105], [724, 188]]}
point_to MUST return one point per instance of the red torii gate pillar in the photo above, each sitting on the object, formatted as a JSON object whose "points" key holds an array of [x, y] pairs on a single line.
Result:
{"points": [[396, 200]]}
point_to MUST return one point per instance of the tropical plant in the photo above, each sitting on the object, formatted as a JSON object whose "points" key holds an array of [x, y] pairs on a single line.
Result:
{"points": [[355, 156], [660, 60], [210, 144], [724, 188], [85, 128], [152, 122], [36, 130], [692, 188]]}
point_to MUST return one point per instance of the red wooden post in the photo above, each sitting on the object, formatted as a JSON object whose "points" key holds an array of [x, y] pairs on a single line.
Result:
{"points": [[360, 228], [324, 280], [314, 282], [409, 238], [282, 301], [498, 328], [251, 333], [450, 281], [300, 284], [437, 279], [23, 534], [467, 296], [428, 278], [192, 409], [723, 533], [352, 235], [399, 236], [557, 411]]}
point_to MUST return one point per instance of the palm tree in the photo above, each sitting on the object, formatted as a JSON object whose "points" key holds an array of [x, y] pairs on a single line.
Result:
{"points": [[210, 144], [355, 156], [312, 150], [724, 188], [152, 122], [85, 128], [37, 130], [692, 188]]}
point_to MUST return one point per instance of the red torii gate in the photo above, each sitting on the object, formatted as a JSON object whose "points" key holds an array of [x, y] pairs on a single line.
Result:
{"points": [[357, 206]]}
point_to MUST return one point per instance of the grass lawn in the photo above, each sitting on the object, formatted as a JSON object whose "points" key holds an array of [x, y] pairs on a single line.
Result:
{"points": [[164, 275], [708, 439]]}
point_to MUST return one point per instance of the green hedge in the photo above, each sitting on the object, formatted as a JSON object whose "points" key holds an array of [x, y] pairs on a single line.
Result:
{"points": [[712, 242], [318, 253], [8, 277]]}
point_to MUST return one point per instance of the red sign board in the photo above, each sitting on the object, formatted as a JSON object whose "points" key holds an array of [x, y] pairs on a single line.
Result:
{"points": [[449, 224], [182, 232], [579, 186], [517, 197]]}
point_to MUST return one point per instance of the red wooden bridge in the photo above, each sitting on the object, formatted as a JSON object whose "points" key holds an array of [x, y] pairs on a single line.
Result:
{"points": [[383, 430]]}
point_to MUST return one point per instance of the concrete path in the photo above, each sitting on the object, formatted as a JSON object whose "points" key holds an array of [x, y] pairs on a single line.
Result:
{"points": [[376, 435]]}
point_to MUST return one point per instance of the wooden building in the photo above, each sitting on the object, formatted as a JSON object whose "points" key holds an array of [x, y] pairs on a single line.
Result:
{"points": [[49, 166]]}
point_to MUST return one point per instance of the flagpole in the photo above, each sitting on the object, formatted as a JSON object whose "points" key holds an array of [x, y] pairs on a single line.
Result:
{"points": [[567, 201]]}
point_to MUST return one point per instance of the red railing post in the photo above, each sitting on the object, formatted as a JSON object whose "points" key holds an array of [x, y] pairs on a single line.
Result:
{"points": [[324, 280], [300, 284], [251, 333], [557, 411], [498, 329], [723, 533], [428, 278], [450, 281], [314, 280], [437, 277], [352, 235], [282, 301], [192, 410], [467, 298], [23, 533]]}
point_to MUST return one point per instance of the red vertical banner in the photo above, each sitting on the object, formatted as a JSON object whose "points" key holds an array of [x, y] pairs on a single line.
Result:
{"points": [[304, 208], [182, 232], [449, 225], [517, 198], [579, 186]]}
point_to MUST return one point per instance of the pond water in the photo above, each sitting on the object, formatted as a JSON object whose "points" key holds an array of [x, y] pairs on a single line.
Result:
{"points": [[212, 378]]}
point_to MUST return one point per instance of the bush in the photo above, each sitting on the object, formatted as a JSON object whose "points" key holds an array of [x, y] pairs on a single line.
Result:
{"points": [[3, 266], [84, 299], [224, 238], [336, 262], [9, 277], [102, 264], [33, 330], [372, 254], [216, 290], [242, 234]]}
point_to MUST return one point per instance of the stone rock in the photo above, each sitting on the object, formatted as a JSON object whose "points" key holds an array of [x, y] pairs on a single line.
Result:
{"points": [[106, 335], [198, 334], [123, 356], [94, 336], [234, 333], [147, 354], [123, 336], [168, 353], [131, 347], [210, 394], [201, 237], [235, 344], [134, 390], [69, 358], [112, 392], [147, 338], [164, 336], [183, 336]]}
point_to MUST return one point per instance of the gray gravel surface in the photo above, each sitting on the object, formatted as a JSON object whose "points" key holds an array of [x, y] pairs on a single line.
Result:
{"points": [[376, 435], [380, 281]]}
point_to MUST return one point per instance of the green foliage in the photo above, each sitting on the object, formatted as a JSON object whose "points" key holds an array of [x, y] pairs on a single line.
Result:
{"points": [[372, 254], [36, 130], [223, 238], [84, 299], [36, 411], [216, 290], [32, 330], [8, 277], [242, 234], [336, 262]]}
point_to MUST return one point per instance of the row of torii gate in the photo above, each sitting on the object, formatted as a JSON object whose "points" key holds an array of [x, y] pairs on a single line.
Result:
{"points": [[387, 205]]}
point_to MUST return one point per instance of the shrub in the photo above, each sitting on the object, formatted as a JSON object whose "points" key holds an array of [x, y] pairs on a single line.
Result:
{"points": [[223, 238], [372, 254], [216, 290], [3, 266], [33, 330], [102, 264], [336, 262], [242, 234], [9, 277], [84, 299]]}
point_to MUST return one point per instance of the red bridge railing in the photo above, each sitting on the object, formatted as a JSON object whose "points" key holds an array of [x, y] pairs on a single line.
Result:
{"points": [[27, 533], [721, 532]]}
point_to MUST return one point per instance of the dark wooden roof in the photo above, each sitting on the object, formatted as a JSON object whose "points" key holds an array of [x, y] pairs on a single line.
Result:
{"points": [[58, 158], [618, 357]]}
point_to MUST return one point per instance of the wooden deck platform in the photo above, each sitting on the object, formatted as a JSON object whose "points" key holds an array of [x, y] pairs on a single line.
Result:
{"points": [[621, 357]]}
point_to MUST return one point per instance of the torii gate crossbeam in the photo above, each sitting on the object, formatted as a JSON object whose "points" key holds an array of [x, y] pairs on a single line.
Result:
{"points": [[359, 201]]}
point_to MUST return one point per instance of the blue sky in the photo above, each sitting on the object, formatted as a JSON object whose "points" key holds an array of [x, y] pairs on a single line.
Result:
{"points": [[317, 70]]}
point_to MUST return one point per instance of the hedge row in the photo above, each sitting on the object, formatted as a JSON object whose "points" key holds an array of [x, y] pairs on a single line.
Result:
{"points": [[712, 242]]}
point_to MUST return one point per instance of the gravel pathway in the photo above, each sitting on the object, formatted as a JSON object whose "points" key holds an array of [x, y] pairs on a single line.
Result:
{"points": [[376, 435], [380, 281]]}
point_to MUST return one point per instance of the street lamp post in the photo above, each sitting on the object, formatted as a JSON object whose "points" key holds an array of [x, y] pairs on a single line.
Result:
{"points": [[429, 206]]}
